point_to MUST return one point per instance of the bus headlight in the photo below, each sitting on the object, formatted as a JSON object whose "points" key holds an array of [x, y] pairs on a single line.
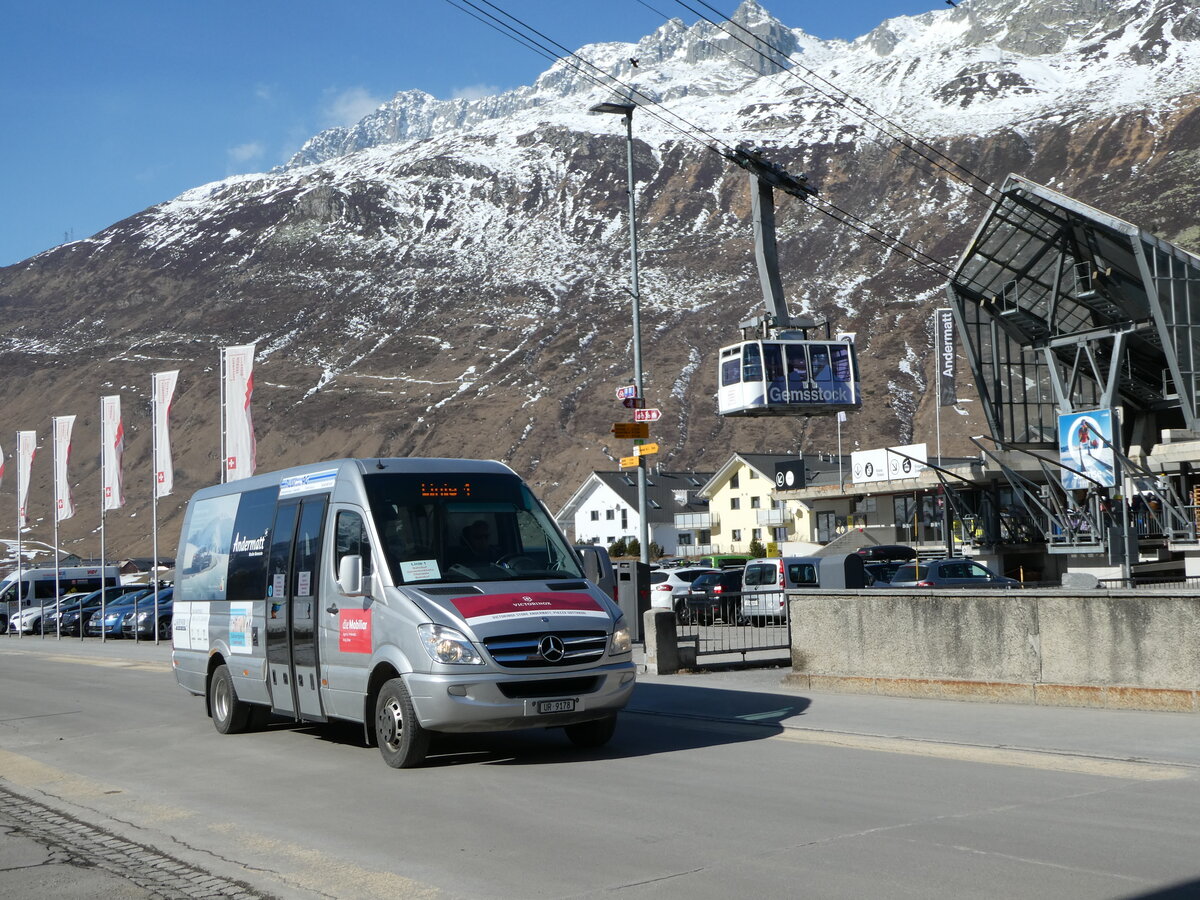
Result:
{"points": [[446, 645], [620, 642]]}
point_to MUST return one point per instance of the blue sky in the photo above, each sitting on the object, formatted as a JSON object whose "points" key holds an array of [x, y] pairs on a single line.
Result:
{"points": [[110, 107]]}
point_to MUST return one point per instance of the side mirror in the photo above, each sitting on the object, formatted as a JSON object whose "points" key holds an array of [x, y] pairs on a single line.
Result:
{"points": [[349, 576]]}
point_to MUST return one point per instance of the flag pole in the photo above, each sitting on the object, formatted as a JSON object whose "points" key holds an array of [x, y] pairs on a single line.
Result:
{"points": [[103, 555], [54, 459], [20, 573], [154, 496], [222, 399]]}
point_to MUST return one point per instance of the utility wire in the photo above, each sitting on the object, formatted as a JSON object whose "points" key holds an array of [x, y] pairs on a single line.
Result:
{"points": [[649, 106], [887, 147], [909, 141]]}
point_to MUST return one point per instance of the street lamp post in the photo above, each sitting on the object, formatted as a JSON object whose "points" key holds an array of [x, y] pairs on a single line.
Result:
{"points": [[626, 110]]}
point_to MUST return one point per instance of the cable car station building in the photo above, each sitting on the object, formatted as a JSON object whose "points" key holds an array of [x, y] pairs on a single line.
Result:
{"points": [[1082, 332]]}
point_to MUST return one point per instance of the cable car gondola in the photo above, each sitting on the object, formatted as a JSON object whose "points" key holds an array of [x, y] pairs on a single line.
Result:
{"points": [[787, 378]]}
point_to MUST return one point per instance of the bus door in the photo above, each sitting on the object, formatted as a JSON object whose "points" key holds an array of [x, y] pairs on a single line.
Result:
{"points": [[292, 659]]}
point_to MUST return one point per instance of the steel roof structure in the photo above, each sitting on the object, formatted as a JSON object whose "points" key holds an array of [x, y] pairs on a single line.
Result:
{"points": [[1065, 308]]}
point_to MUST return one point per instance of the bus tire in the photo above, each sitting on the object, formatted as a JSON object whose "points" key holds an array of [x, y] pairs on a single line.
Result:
{"points": [[595, 733], [229, 714], [401, 739]]}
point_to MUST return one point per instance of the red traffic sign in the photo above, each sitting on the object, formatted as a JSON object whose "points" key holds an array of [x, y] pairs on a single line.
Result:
{"points": [[633, 403], [647, 415], [627, 393]]}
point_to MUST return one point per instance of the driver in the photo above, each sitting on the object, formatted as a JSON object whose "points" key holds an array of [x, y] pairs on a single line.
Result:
{"points": [[476, 546]]}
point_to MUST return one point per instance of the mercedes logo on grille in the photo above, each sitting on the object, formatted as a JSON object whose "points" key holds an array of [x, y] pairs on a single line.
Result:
{"points": [[552, 648]]}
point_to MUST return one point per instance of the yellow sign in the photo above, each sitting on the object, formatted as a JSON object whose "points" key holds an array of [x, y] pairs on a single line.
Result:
{"points": [[645, 449], [630, 462], [631, 429], [773, 549]]}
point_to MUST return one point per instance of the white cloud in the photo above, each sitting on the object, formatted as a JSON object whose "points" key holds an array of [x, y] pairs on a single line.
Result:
{"points": [[475, 92], [264, 92], [349, 107], [244, 153]]}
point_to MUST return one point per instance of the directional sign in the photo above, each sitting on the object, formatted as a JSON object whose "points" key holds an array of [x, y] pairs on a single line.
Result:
{"points": [[630, 462], [633, 403], [631, 429], [645, 449], [647, 415], [627, 393]]}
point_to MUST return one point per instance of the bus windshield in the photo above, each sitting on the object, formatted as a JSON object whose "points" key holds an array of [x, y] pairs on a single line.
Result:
{"points": [[465, 527]]}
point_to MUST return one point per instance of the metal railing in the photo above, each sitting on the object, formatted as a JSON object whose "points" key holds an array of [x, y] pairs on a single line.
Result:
{"points": [[719, 628]]}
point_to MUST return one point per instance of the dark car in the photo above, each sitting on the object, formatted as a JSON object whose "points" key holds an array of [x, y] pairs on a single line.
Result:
{"points": [[880, 574], [886, 553], [715, 594], [109, 624], [70, 616], [949, 573], [142, 621]]}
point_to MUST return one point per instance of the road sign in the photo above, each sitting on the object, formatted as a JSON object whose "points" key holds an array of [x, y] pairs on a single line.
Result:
{"points": [[630, 462], [631, 429], [645, 449], [627, 393], [647, 415], [633, 403]]}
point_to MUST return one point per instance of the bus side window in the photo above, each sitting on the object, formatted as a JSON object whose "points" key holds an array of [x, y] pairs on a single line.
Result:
{"points": [[351, 540]]}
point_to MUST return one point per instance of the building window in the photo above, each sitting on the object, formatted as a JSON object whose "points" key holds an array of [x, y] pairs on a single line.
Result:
{"points": [[756, 534], [624, 520], [610, 540], [735, 503], [753, 474], [705, 536], [733, 481], [755, 502], [609, 514], [684, 539], [737, 534], [779, 534], [595, 515]]}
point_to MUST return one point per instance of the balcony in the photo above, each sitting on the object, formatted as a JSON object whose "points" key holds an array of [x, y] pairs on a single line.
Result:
{"points": [[773, 517], [697, 521]]}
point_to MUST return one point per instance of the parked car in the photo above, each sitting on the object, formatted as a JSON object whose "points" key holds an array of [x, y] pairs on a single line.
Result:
{"points": [[669, 588], [32, 619], [109, 624], [70, 615], [949, 573], [142, 622], [887, 553], [715, 594]]}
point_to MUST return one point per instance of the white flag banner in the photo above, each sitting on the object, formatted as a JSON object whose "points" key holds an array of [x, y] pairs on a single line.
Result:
{"points": [[26, 448], [164, 471], [239, 427], [1, 467], [112, 451], [62, 456]]}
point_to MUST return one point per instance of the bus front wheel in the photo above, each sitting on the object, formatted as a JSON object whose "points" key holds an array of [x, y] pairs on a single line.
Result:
{"points": [[402, 740]]}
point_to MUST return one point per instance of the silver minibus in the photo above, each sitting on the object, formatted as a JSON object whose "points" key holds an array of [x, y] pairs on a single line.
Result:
{"points": [[415, 596]]}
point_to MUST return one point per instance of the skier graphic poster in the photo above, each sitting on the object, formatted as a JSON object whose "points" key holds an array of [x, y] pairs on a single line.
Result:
{"points": [[1085, 444]]}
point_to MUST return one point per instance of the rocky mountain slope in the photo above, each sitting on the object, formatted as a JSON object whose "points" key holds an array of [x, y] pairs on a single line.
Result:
{"points": [[450, 277]]}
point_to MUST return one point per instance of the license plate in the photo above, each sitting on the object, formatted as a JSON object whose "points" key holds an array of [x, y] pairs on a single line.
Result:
{"points": [[556, 706]]}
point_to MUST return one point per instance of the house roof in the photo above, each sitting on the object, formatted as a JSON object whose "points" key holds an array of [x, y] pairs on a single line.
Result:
{"points": [[762, 463], [661, 489]]}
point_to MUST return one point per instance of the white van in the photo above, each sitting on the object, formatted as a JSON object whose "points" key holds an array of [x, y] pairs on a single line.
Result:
{"points": [[766, 580], [412, 595], [36, 588]]}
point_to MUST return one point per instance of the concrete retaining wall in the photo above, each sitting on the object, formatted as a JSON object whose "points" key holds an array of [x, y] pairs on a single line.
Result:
{"points": [[1129, 649]]}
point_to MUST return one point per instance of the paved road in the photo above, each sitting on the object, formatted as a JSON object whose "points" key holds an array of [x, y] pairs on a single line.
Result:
{"points": [[716, 785]]}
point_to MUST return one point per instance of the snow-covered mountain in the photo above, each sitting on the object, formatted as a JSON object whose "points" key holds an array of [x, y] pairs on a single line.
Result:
{"points": [[449, 277]]}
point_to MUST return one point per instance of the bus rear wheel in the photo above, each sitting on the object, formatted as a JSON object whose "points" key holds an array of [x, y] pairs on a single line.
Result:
{"points": [[229, 714], [402, 741]]}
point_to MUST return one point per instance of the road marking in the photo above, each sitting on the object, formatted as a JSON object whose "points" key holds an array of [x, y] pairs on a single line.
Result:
{"points": [[148, 665], [996, 756]]}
